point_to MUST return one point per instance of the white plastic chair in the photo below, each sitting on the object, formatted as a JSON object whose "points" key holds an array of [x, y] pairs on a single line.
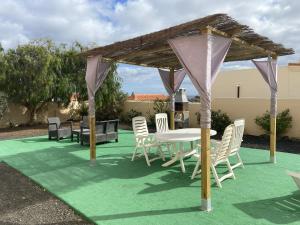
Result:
{"points": [[144, 141], [295, 176], [161, 122], [236, 141], [219, 155]]}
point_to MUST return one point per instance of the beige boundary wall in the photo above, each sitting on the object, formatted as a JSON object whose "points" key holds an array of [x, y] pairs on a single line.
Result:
{"points": [[252, 84], [247, 108], [17, 114]]}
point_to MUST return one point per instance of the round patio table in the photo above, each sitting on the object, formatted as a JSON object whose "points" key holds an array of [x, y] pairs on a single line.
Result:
{"points": [[181, 136]]}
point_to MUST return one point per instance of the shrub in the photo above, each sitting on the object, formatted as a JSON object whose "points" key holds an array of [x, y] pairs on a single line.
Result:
{"points": [[150, 120], [284, 122], [219, 121], [83, 109], [127, 117], [159, 106]]}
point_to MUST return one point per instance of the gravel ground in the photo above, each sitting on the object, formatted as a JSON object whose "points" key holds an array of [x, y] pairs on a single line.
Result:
{"points": [[262, 142], [23, 202], [20, 132]]}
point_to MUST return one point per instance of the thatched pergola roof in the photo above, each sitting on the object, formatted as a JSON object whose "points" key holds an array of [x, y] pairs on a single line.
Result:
{"points": [[153, 50]]}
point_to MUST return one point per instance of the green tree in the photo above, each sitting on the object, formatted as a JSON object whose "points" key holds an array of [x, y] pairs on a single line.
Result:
{"points": [[3, 100], [2, 63], [69, 68], [27, 80], [109, 98]]}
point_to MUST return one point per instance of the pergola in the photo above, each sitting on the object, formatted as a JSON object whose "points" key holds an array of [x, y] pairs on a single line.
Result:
{"points": [[199, 48]]}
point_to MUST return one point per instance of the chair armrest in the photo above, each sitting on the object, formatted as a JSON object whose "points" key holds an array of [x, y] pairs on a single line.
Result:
{"points": [[141, 136], [70, 123], [53, 124]]}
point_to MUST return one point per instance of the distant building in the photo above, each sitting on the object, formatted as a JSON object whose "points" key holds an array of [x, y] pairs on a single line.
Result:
{"points": [[147, 97], [248, 83]]}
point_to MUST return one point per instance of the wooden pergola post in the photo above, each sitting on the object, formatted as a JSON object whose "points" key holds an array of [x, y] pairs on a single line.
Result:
{"points": [[205, 156], [205, 170], [172, 112], [273, 133], [92, 124]]}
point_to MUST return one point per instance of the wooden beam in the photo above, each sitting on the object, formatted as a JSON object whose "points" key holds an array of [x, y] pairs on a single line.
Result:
{"points": [[239, 41], [172, 113], [141, 52], [157, 59]]}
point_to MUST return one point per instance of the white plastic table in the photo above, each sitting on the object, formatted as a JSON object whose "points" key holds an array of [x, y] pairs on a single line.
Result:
{"points": [[181, 136]]}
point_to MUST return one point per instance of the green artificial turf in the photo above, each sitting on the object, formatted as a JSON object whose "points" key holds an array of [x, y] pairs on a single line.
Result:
{"points": [[118, 191]]}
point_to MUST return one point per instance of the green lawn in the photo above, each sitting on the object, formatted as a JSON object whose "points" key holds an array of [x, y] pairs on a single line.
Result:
{"points": [[118, 191]]}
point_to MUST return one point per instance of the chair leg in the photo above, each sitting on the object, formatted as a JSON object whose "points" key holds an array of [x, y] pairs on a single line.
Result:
{"points": [[240, 159], [195, 172], [182, 164], [169, 150], [216, 176], [229, 168], [192, 145], [161, 153], [181, 155], [146, 157], [134, 153]]}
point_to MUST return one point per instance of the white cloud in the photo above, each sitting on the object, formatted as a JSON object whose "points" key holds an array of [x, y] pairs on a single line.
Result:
{"points": [[61, 20], [108, 21]]}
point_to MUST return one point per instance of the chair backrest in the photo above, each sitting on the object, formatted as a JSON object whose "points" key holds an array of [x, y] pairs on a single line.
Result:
{"points": [[85, 122], [139, 125], [101, 127], [161, 122], [237, 137], [112, 126], [52, 120], [223, 149]]}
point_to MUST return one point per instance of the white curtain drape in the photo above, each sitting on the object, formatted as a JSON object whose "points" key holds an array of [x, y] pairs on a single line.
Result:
{"points": [[268, 70], [172, 85], [201, 56], [96, 73]]}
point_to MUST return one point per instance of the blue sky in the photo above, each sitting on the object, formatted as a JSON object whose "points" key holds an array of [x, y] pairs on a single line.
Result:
{"points": [[106, 21]]}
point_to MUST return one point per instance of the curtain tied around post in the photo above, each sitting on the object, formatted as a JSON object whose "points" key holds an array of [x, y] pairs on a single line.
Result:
{"points": [[172, 85], [268, 70], [96, 73], [201, 56]]}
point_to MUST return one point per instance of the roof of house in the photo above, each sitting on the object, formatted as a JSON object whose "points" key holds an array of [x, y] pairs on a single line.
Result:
{"points": [[153, 50], [147, 97]]}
